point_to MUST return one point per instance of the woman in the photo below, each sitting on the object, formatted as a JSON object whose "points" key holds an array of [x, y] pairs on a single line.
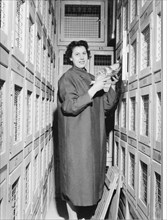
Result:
{"points": [[82, 106]]}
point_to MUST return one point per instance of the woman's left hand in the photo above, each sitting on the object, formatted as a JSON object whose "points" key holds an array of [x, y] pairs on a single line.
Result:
{"points": [[111, 82], [114, 79]]}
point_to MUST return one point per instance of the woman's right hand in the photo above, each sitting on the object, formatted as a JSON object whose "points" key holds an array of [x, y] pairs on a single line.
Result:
{"points": [[100, 82], [98, 85]]}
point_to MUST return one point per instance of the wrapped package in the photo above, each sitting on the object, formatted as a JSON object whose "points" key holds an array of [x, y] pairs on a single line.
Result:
{"points": [[111, 71]]}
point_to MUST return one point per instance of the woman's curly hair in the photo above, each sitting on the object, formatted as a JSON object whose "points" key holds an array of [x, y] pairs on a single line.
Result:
{"points": [[72, 45]]}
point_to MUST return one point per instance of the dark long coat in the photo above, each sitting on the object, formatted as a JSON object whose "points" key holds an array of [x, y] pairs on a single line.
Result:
{"points": [[82, 137]]}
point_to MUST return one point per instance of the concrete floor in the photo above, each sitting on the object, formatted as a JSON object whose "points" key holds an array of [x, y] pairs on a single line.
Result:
{"points": [[57, 210]]}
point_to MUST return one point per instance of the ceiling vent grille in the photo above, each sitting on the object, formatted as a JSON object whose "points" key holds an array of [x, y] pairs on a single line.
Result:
{"points": [[82, 20]]}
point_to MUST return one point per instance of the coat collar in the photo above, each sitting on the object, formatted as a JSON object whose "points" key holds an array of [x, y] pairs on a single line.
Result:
{"points": [[83, 73]]}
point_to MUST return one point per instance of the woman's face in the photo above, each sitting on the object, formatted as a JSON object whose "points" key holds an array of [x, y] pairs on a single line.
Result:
{"points": [[79, 56]]}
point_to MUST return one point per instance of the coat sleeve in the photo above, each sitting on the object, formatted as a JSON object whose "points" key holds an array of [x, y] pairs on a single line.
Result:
{"points": [[71, 102], [110, 99]]}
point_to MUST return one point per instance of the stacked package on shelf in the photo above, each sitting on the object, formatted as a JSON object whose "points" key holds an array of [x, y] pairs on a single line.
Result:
{"points": [[110, 72]]}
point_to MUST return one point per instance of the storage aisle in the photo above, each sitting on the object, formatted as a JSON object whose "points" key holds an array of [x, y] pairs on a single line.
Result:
{"points": [[33, 39]]}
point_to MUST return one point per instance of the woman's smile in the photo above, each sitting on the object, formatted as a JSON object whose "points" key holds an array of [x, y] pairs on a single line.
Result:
{"points": [[79, 57]]}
